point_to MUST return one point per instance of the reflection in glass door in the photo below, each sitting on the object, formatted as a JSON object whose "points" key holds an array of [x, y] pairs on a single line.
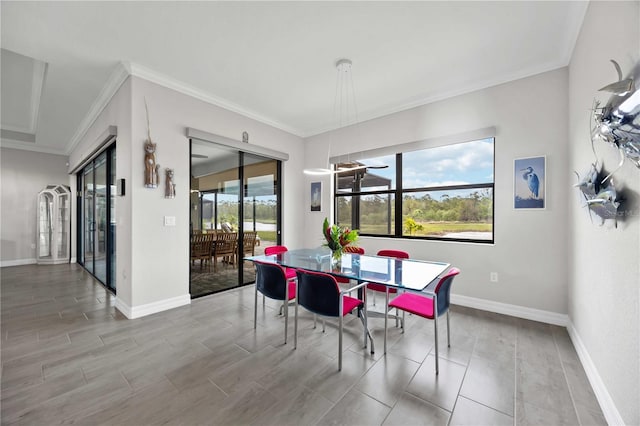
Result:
{"points": [[233, 195], [100, 218], [260, 208], [88, 218], [96, 233]]}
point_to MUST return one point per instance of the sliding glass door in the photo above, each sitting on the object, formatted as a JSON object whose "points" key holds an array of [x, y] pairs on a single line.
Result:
{"points": [[260, 208], [234, 197], [96, 207]]}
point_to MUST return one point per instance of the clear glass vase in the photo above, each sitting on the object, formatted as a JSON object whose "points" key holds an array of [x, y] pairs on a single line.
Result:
{"points": [[336, 258]]}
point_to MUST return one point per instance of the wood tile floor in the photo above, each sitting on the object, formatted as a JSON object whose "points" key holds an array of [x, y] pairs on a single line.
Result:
{"points": [[69, 357]]}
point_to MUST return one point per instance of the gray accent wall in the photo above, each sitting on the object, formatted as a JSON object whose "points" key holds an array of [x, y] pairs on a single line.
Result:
{"points": [[23, 174], [604, 261]]}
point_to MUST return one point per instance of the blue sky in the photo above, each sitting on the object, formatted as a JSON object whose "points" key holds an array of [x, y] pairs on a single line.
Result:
{"points": [[463, 163]]}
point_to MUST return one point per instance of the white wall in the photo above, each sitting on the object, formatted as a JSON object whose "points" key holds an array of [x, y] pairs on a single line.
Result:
{"points": [[604, 271], [161, 254], [153, 260], [22, 175], [530, 247]]}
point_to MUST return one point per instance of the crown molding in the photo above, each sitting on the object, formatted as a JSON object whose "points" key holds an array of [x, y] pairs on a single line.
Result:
{"points": [[186, 89], [575, 24], [115, 80]]}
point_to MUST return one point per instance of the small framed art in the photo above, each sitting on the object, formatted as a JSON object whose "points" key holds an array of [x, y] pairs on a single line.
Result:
{"points": [[529, 183], [316, 196]]}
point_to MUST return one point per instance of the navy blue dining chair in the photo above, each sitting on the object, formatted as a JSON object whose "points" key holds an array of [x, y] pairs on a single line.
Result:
{"points": [[272, 282], [320, 294]]}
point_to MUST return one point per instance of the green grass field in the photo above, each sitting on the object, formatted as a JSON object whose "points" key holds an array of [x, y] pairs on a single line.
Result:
{"points": [[267, 235], [434, 228]]}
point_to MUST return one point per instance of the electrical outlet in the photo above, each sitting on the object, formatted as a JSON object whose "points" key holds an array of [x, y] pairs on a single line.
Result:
{"points": [[33, 246], [493, 277]]}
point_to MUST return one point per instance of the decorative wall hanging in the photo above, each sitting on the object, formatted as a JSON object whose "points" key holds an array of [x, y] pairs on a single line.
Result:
{"points": [[618, 122], [601, 197], [529, 183], [316, 196], [169, 186], [151, 169]]}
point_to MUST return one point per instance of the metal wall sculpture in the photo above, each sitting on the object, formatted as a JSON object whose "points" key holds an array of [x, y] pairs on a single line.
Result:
{"points": [[600, 196], [616, 123]]}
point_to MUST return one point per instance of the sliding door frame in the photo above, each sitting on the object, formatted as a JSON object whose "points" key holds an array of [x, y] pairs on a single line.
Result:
{"points": [[242, 149]]}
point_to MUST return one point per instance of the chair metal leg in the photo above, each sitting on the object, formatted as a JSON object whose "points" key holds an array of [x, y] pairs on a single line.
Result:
{"points": [[341, 305], [448, 328], [255, 307], [435, 329], [295, 326], [364, 315], [286, 312], [323, 325], [315, 321], [386, 317], [403, 322], [367, 333]]}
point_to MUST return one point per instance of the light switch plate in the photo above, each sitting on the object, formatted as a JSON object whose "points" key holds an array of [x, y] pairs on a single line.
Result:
{"points": [[169, 221]]}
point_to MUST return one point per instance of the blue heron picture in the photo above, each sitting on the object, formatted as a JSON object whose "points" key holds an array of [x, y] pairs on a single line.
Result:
{"points": [[529, 183]]}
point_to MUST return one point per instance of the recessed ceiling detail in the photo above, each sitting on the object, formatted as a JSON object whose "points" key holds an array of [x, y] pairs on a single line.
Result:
{"points": [[22, 86], [273, 61]]}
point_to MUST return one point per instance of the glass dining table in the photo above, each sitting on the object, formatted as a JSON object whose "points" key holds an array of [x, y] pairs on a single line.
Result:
{"points": [[402, 274]]}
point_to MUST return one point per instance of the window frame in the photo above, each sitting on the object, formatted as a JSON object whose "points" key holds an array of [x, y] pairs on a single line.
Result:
{"points": [[398, 197]]}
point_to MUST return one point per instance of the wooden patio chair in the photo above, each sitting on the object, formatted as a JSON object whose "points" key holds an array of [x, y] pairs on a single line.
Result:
{"points": [[201, 245], [225, 247]]}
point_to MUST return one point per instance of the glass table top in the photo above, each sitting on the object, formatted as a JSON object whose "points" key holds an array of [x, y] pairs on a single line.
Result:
{"points": [[410, 274]]}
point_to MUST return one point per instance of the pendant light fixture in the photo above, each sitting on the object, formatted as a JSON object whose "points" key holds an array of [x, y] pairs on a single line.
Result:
{"points": [[342, 108]]}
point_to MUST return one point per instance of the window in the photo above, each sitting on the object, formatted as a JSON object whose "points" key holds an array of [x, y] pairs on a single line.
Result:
{"points": [[442, 193]]}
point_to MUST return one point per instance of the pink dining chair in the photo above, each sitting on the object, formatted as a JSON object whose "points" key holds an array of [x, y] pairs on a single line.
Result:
{"points": [[349, 249], [429, 307], [380, 288], [272, 250]]}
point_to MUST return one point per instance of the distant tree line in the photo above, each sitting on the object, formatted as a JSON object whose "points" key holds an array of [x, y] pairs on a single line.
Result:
{"points": [[378, 209]]}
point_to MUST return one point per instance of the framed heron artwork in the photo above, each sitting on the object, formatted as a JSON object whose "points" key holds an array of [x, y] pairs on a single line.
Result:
{"points": [[529, 183]]}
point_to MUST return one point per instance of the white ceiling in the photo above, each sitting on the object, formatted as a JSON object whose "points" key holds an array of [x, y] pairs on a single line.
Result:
{"points": [[274, 61]]}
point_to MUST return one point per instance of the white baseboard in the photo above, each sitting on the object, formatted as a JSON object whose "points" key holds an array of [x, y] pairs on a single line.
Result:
{"points": [[607, 405], [511, 310], [611, 413], [17, 262], [132, 312]]}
